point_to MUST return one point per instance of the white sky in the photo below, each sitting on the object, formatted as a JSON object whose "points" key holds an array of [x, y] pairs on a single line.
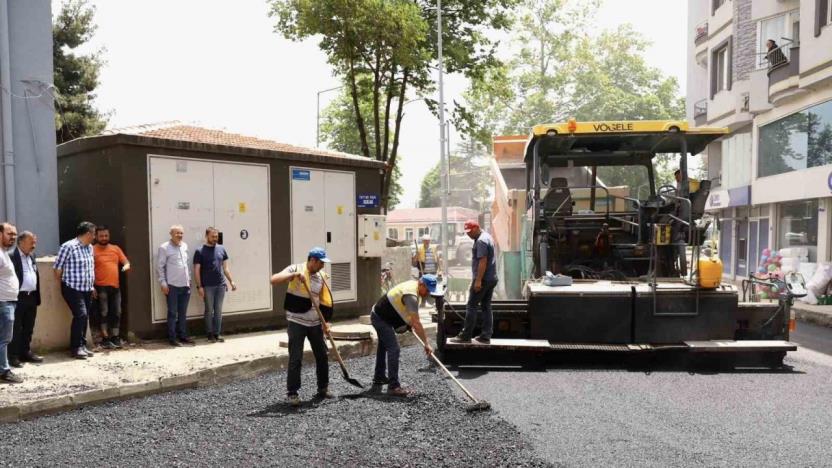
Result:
{"points": [[220, 64]]}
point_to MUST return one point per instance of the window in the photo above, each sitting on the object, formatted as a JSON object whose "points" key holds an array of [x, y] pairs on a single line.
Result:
{"points": [[393, 233], [798, 141], [783, 29], [408, 234], [715, 4], [799, 226], [823, 15], [722, 69], [423, 231]]}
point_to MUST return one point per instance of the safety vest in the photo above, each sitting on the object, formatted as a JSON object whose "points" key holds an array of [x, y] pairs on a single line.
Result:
{"points": [[298, 298], [391, 307], [421, 253]]}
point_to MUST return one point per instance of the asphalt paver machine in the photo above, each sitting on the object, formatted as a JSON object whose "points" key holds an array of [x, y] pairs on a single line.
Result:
{"points": [[624, 274]]}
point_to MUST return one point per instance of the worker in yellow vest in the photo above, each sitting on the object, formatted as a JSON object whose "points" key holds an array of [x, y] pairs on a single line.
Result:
{"points": [[427, 258], [397, 312], [303, 320]]}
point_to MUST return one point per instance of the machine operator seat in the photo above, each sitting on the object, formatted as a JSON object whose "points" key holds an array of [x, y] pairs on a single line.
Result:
{"points": [[558, 199], [698, 200]]}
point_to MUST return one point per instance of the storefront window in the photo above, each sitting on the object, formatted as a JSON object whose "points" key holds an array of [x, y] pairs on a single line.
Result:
{"points": [[799, 226], [799, 141]]}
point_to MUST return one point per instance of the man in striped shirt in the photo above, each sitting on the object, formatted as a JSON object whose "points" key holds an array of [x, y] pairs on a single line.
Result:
{"points": [[75, 269]]}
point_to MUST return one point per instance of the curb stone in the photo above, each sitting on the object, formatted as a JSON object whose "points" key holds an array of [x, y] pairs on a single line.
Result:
{"points": [[817, 318], [245, 368]]}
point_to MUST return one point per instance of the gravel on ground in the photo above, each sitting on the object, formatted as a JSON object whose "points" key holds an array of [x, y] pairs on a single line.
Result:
{"points": [[249, 423]]}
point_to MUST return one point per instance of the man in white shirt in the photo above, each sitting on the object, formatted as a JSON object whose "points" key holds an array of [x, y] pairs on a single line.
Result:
{"points": [[9, 288], [28, 300], [175, 281]]}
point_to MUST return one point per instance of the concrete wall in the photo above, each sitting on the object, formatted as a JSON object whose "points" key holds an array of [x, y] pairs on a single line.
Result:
{"points": [[32, 119], [54, 318], [109, 185]]}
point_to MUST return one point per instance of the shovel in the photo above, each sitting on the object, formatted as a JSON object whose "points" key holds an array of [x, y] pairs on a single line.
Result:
{"points": [[477, 405], [347, 377]]}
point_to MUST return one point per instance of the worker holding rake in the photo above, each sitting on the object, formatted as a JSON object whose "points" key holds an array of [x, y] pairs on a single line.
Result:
{"points": [[307, 294], [397, 312]]}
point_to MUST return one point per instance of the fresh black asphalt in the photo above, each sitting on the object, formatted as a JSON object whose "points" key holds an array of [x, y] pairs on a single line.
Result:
{"points": [[248, 423]]}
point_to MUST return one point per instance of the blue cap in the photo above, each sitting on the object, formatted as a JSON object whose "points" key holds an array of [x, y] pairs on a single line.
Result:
{"points": [[431, 282], [319, 253]]}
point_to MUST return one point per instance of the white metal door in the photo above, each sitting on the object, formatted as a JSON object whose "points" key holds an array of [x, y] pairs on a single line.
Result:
{"points": [[307, 194], [181, 192], [323, 214], [242, 215], [339, 209]]}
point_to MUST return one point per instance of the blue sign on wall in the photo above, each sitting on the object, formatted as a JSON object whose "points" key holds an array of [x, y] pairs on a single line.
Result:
{"points": [[367, 200], [300, 174]]}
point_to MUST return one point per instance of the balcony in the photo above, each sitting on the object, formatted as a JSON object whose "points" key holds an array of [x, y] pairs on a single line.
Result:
{"points": [[783, 73], [701, 33], [700, 112]]}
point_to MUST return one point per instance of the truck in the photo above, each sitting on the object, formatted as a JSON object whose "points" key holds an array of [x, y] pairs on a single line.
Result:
{"points": [[614, 278]]}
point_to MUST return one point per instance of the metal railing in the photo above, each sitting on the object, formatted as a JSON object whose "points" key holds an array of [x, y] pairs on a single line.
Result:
{"points": [[701, 32]]}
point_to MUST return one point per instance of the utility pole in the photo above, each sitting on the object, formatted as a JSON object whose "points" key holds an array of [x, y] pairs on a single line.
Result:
{"points": [[442, 136]]}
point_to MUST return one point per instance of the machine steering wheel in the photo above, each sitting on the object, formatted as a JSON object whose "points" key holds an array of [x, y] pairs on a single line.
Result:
{"points": [[665, 189]]}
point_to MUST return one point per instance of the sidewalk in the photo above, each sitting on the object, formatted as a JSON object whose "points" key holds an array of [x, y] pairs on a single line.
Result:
{"points": [[816, 314], [61, 383]]}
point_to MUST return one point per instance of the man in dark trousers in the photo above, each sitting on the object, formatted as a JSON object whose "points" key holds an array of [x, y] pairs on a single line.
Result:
{"points": [[307, 285], [28, 300], [484, 270], [397, 312]]}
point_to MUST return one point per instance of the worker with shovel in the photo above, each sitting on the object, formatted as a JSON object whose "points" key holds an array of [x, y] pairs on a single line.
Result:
{"points": [[397, 312], [307, 289]]}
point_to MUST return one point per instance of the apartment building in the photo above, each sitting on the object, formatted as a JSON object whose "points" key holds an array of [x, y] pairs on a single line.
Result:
{"points": [[772, 175]]}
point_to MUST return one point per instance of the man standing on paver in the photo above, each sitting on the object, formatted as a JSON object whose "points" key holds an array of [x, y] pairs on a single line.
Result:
{"points": [[28, 300], [75, 269], [303, 320], [9, 288], [210, 264], [108, 258], [397, 312], [484, 270], [175, 281]]}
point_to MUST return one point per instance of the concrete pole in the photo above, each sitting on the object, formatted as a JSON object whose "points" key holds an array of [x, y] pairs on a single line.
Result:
{"points": [[10, 212], [444, 169]]}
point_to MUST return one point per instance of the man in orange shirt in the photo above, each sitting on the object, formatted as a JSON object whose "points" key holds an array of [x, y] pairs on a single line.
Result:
{"points": [[108, 258]]}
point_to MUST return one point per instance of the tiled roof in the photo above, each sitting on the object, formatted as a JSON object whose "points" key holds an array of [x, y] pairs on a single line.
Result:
{"points": [[178, 131], [429, 215]]}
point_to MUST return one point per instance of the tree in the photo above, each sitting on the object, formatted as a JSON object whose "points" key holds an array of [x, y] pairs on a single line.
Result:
{"points": [[75, 76], [561, 71], [339, 133], [384, 48], [469, 179]]}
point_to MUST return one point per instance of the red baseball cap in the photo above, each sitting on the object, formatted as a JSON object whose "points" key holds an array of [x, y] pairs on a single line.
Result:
{"points": [[470, 225]]}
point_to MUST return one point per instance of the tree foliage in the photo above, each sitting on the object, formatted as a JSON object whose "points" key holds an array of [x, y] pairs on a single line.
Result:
{"points": [[75, 76], [469, 179], [338, 132], [385, 48], [563, 68]]}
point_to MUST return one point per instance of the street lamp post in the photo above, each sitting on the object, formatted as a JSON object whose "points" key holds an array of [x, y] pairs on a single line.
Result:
{"points": [[318, 115], [443, 168]]}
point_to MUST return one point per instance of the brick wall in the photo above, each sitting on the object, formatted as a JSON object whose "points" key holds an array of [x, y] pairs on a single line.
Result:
{"points": [[745, 41]]}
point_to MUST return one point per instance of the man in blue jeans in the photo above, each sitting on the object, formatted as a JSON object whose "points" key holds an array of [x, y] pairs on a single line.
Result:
{"points": [[9, 289], [484, 271], [210, 264], [175, 281], [397, 312], [75, 269]]}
